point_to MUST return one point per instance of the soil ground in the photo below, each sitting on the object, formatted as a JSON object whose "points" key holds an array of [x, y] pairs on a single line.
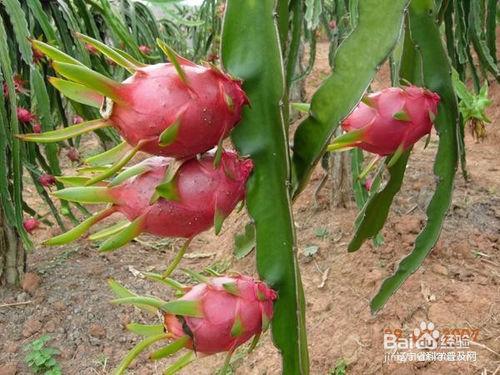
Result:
{"points": [[457, 286]]}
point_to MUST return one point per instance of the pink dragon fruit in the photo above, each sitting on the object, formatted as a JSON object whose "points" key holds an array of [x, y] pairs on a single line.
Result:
{"points": [[91, 49], [145, 49], [37, 55], [73, 154], [368, 184], [25, 115], [178, 109], [47, 180], [37, 128], [388, 120], [196, 197], [78, 119], [19, 86], [201, 112], [215, 316], [232, 309], [31, 224]]}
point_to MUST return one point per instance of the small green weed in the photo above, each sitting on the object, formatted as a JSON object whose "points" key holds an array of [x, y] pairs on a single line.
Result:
{"points": [[40, 358]]}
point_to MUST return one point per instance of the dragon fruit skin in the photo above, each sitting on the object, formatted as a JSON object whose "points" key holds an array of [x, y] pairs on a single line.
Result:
{"points": [[47, 180], [205, 108], [24, 115], [77, 119], [392, 118], [37, 128], [31, 224], [73, 154], [247, 303], [202, 189], [145, 49]]}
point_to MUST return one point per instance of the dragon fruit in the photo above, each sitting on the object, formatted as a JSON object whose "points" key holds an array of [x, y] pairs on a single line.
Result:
{"points": [[388, 120], [145, 49], [25, 115], [91, 49], [19, 86], [37, 128], [77, 119], [73, 154], [37, 55], [368, 184], [232, 309], [31, 224], [178, 109], [217, 315], [164, 197], [47, 180]]}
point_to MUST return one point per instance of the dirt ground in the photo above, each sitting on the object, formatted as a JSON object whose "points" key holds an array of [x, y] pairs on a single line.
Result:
{"points": [[457, 286]]}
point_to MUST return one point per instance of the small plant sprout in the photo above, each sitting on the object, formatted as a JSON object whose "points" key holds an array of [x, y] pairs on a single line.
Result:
{"points": [[40, 358]]}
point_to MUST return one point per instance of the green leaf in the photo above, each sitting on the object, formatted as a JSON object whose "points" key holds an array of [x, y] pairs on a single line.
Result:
{"points": [[255, 57], [80, 229], [355, 64], [165, 280], [168, 136], [124, 236], [136, 350], [301, 107], [121, 292], [219, 218], [182, 362], [146, 329], [64, 133], [86, 194], [72, 181], [237, 329], [184, 308], [437, 77], [135, 170], [53, 53], [117, 166], [231, 288], [77, 92], [109, 52], [109, 231], [140, 301], [110, 156], [174, 58], [170, 349], [244, 242], [89, 78], [168, 191]]}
